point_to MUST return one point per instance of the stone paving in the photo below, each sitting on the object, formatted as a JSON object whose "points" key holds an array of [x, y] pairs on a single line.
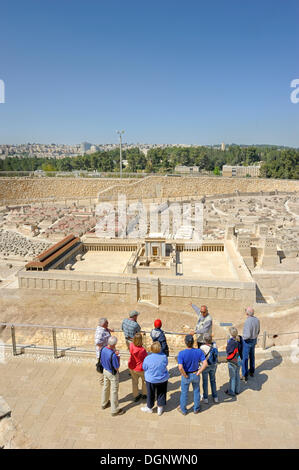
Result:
{"points": [[57, 404]]}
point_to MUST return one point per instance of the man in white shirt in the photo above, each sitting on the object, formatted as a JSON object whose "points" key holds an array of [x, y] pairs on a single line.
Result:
{"points": [[204, 323]]}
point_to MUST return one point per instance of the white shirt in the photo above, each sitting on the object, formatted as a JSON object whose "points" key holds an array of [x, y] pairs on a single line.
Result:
{"points": [[101, 337]]}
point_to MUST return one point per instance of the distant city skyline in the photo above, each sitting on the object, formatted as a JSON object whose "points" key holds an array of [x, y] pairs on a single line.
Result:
{"points": [[165, 72]]}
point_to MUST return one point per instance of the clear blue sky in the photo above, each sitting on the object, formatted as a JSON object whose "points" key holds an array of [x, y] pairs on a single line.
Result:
{"points": [[166, 71]]}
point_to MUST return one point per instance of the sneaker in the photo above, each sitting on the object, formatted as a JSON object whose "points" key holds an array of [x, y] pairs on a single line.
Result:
{"points": [[205, 400], [145, 409], [244, 378], [136, 399], [196, 411], [181, 411], [251, 374], [121, 411], [216, 400], [106, 406], [227, 393], [160, 410]]}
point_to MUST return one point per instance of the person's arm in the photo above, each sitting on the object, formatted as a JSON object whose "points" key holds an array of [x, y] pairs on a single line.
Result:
{"points": [[181, 369], [144, 365], [196, 309], [246, 330], [163, 342], [116, 361], [203, 367], [240, 348]]}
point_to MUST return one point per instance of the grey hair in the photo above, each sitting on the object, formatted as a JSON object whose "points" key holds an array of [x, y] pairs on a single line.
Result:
{"points": [[207, 338], [112, 340], [233, 331], [250, 311], [102, 321]]}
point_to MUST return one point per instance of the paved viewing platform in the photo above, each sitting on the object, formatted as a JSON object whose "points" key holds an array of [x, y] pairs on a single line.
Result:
{"points": [[57, 403]]}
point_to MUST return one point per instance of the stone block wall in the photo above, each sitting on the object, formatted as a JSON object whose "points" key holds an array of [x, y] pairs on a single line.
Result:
{"points": [[30, 189], [163, 291]]}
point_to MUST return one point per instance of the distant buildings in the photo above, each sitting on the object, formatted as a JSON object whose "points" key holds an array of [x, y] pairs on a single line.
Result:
{"points": [[84, 147], [238, 170], [186, 169], [39, 150]]}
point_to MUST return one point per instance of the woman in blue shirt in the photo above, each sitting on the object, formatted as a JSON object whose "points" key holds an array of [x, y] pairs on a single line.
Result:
{"points": [[156, 378]]}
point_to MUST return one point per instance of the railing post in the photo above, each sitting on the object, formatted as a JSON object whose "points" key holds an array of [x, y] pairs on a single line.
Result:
{"points": [[264, 339], [54, 343], [13, 339]]}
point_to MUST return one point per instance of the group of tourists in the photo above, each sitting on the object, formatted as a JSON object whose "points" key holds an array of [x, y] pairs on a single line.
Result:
{"points": [[151, 368]]}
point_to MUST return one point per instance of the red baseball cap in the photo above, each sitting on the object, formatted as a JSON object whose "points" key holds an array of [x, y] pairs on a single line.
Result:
{"points": [[157, 323]]}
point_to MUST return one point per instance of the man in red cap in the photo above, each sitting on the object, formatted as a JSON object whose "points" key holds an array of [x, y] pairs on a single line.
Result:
{"points": [[158, 335]]}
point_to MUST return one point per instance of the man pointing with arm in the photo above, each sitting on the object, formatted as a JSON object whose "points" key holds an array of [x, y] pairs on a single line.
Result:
{"points": [[204, 323]]}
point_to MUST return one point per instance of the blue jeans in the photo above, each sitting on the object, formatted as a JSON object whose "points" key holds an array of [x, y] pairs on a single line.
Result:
{"points": [[234, 379], [195, 380], [248, 353], [210, 371]]}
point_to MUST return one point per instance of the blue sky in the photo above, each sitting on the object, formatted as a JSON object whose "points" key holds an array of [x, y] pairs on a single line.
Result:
{"points": [[167, 71]]}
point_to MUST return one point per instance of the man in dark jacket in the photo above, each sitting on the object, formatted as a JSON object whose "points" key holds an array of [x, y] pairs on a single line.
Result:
{"points": [[158, 335]]}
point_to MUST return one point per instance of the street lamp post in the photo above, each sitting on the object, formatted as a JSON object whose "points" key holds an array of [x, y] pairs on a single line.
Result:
{"points": [[120, 156]]}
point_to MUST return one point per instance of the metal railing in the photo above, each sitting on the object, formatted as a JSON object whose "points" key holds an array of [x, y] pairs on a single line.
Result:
{"points": [[264, 336]]}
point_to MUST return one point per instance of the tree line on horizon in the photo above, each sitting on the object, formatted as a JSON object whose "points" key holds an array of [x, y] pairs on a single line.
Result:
{"points": [[276, 162]]}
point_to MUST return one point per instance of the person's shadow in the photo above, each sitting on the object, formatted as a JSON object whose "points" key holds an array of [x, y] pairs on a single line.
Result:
{"points": [[257, 381], [174, 372], [132, 404], [124, 375], [173, 401]]}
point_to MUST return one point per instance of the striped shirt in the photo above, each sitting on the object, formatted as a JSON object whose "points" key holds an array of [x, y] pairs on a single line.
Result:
{"points": [[101, 337], [130, 328]]}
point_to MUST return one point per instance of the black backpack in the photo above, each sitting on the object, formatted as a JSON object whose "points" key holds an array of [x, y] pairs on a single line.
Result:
{"points": [[99, 366]]}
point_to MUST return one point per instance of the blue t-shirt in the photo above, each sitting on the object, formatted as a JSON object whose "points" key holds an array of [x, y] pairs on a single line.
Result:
{"points": [[106, 359], [154, 366], [190, 359]]}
